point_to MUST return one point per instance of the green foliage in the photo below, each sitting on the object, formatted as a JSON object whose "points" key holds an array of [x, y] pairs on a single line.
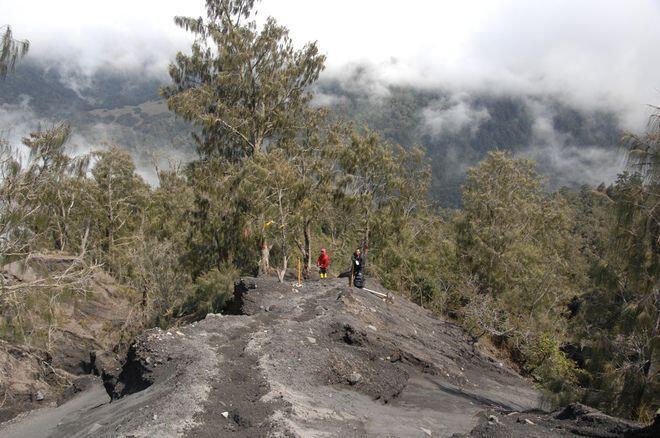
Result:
{"points": [[644, 150], [518, 240], [58, 182], [10, 50], [212, 290], [518, 243], [121, 199], [547, 363], [617, 325], [419, 259], [244, 87]]}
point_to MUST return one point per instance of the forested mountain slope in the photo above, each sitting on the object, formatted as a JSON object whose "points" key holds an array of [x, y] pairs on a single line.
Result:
{"points": [[572, 145]]}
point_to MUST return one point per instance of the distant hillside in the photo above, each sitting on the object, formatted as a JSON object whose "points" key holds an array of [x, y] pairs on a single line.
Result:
{"points": [[572, 146], [110, 107], [55, 92]]}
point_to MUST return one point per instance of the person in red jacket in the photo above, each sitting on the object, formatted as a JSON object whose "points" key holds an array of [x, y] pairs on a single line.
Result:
{"points": [[323, 262]]}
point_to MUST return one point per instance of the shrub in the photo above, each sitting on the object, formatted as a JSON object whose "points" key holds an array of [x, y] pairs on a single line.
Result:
{"points": [[211, 293]]}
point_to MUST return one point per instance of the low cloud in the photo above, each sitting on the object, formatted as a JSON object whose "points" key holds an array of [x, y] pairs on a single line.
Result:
{"points": [[567, 161], [571, 165], [17, 121], [322, 99], [453, 116], [592, 53]]}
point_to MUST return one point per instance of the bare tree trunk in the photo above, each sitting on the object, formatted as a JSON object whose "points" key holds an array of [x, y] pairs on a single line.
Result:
{"points": [[64, 214], [83, 244], [111, 220], [282, 272], [365, 237], [308, 244], [264, 262], [285, 255]]}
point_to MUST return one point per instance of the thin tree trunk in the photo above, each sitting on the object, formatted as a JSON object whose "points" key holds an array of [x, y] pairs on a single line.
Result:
{"points": [[111, 220], [264, 262], [365, 241], [308, 244], [285, 255], [83, 244], [281, 273]]}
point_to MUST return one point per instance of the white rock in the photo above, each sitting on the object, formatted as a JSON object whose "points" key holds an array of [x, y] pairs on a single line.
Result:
{"points": [[354, 378], [372, 327], [311, 340], [225, 414], [426, 431]]}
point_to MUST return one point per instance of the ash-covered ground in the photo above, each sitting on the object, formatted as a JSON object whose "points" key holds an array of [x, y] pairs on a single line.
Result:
{"points": [[320, 360]]}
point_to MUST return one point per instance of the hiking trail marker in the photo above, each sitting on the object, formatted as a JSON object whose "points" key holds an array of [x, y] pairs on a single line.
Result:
{"points": [[299, 284]]}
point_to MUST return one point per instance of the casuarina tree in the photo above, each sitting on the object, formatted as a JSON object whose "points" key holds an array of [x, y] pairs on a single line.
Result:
{"points": [[10, 50], [244, 85]]}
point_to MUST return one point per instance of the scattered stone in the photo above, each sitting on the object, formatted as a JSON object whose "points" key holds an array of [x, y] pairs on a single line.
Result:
{"points": [[39, 396], [528, 421], [354, 378], [494, 419], [311, 340], [225, 414], [426, 431], [372, 327]]}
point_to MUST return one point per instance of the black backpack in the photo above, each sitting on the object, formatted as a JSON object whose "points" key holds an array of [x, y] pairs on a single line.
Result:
{"points": [[358, 281]]}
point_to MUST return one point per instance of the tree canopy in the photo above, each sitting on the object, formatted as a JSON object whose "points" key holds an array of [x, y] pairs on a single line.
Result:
{"points": [[11, 50], [244, 86]]}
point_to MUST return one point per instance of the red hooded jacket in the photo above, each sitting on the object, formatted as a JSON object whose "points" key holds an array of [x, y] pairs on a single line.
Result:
{"points": [[323, 261]]}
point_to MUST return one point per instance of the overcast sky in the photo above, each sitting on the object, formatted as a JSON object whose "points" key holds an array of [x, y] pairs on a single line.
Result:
{"points": [[592, 52]]}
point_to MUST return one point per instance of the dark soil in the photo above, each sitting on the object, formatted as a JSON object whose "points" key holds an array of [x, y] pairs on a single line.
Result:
{"points": [[573, 420]]}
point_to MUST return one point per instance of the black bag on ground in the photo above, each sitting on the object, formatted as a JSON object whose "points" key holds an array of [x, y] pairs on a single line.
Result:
{"points": [[358, 281]]}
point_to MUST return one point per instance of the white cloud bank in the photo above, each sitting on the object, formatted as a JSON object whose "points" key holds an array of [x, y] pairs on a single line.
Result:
{"points": [[592, 53]]}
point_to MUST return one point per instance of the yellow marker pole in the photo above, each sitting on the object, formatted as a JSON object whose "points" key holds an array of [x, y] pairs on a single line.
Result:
{"points": [[299, 272]]}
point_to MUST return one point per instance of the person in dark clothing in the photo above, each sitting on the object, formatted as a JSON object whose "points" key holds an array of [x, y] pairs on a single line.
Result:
{"points": [[323, 262], [357, 266]]}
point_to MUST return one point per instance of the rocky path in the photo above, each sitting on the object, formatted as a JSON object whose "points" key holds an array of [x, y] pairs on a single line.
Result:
{"points": [[321, 360]]}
